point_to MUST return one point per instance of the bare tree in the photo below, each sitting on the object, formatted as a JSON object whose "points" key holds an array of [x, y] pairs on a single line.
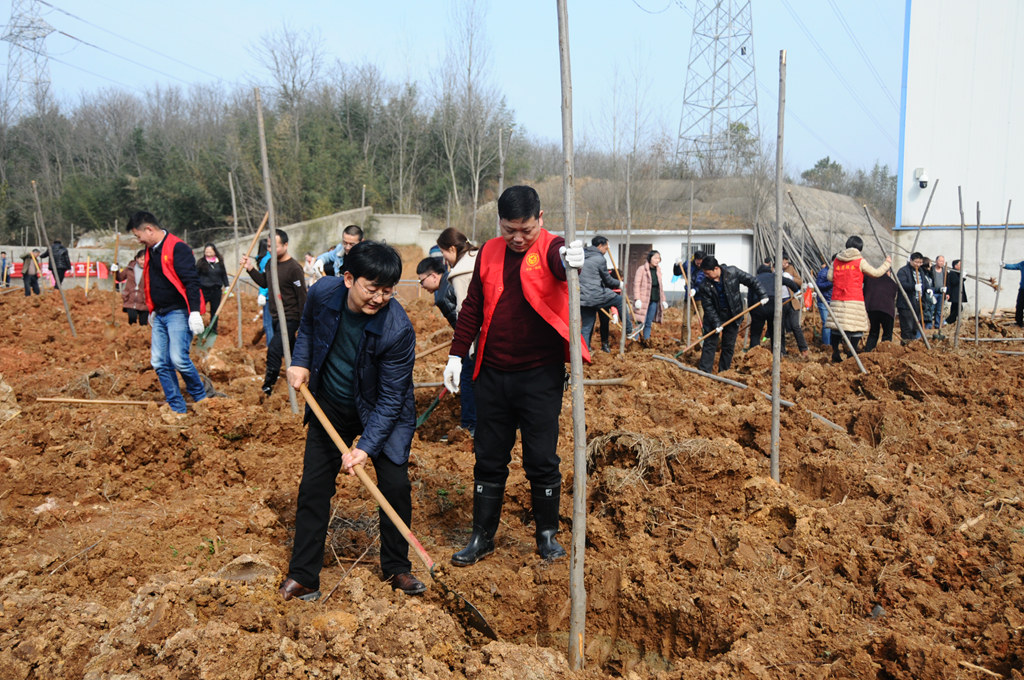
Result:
{"points": [[403, 125], [295, 60]]}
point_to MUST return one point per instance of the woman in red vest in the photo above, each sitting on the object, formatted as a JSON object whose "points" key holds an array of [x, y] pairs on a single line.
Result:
{"points": [[847, 277]]}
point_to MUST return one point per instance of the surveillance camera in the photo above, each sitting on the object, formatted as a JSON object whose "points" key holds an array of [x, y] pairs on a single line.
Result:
{"points": [[921, 175]]}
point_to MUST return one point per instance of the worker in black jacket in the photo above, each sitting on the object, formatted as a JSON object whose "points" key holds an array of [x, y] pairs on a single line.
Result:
{"points": [[721, 299]]}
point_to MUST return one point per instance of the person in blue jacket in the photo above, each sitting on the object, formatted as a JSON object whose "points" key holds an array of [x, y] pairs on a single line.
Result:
{"points": [[335, 257], [355, 348], [825, 286], [1018, 315]]}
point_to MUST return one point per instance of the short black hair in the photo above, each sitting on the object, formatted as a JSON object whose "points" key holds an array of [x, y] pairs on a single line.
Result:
{"points": [[375, 261], [598, 241], [430, 264], [519, 202], [699, 254], [354, 230], [142, 251], [955, 263], [855, 242], [916, 256], [652, 254], [141, 218], [709, 263], [283, 235]]}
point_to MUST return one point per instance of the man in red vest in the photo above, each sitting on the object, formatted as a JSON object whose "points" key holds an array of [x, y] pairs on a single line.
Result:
{"points": [[175, 307], [518, 304]]}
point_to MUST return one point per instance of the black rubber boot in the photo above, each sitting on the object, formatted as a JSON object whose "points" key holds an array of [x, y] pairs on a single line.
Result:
{"points": [[545, 514], [835, 348], [487, 499]]}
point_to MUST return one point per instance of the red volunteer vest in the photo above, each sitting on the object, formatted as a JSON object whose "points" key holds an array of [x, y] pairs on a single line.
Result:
{"points": [[167, 265], [547, 294], [847, 281]]}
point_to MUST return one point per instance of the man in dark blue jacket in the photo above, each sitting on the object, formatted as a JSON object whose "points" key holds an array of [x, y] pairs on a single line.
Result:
{"points": [[355, 348]]}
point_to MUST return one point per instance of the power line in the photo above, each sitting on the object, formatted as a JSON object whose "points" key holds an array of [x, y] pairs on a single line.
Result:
{"points": [[50, 57], [863, 54], [837, 73], [114, 54], [129, 40]]}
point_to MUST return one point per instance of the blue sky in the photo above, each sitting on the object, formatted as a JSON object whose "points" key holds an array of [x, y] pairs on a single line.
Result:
{"points": [[843, 92]]}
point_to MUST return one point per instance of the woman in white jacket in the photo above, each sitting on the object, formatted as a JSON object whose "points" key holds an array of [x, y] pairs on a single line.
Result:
{"points": [[460, 255]]}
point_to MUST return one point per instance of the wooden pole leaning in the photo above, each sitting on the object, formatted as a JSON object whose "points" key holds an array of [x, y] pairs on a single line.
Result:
{"points": [[1002, 259], [238, 258], [776, 432], [577, 587], [977, 277], [710, 333], [906, 298], [60, 288], [960, 279], [935, 185]]}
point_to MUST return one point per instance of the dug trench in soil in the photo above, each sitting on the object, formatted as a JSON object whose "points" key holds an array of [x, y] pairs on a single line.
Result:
{"points": [[138, 545]]}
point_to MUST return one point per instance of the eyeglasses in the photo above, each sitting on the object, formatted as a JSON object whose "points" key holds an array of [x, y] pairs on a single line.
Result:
{"points": [[427, 276], [374, 294]]}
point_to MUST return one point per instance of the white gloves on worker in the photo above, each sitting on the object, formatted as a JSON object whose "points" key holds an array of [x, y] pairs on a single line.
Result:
{"points": [[453, 374], [195, 323], [573, 255], [931, 296], [114, 268], [917, 287], [664, 304], [719, 330], [764, 302], [942, 290], [639, 305], [261, 300], [693, 292], [318, 267]]}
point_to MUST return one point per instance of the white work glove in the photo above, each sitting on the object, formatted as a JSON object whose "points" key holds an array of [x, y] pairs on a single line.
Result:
{"points": [[114, 267], [639, 305], [693, 292], [942, 290], [318, 267], [453, 374], [261, 300], [1002, 265], [573, 255], [917, 287], [719, 330], [764, 302], [195, 323], [664, 304], [931, 297], [928, 292]]}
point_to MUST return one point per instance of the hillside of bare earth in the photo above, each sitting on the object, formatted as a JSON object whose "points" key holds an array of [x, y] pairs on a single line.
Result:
{"points": [[134, 544]]}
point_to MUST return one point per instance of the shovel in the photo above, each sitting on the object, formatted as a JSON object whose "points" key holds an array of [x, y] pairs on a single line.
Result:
{"points": [[468, 615], [709, 334], [209, 336], [430, 409]]}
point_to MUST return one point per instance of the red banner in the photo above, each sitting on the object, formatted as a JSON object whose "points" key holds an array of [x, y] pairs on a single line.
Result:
{"points": [[96, 270]]}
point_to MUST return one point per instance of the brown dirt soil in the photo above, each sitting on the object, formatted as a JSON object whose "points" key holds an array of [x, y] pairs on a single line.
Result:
{"points": [[139, 545]]}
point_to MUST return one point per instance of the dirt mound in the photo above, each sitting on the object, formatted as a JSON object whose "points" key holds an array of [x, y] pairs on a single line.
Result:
{"points": [[139, 545]]}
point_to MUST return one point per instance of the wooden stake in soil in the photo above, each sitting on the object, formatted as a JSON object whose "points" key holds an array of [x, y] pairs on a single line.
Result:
{"points": [[1002, 259], [275, 283], [977, 257], [88, 263], [577, 588], [113, 276], [60, 289], [238, 258], [935, 185], [777, 329], [960, 279]]}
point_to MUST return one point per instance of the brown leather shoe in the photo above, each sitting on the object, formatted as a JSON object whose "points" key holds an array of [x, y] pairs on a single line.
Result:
{"points": [[292, 588], [408, 584]]}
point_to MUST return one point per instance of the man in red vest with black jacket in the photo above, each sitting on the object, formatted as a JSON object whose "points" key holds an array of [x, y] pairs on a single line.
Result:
{"points": [[518, 304], [175, 307]]}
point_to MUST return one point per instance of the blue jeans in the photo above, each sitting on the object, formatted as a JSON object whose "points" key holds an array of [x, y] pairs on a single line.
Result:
{"points": [[652, 311], [170, 340], [268, 324], [826, 332]]}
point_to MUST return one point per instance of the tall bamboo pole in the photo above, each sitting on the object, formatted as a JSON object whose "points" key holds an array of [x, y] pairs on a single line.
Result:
{"points": [[935, 185], [686, 264], [960, 283], [577, 588], [42, 225], [1002, 259], [777, 330], [275, 283], [238, 255], [977, 274]]}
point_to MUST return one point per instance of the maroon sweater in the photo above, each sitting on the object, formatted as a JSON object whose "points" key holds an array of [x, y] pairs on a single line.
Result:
{"points": [[519, 338]]}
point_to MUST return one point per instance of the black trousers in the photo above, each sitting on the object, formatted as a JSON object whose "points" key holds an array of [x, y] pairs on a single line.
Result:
{"points": [[791, 324], [320, 466], [275, 352], [1019, 314], [31, 284], [954, 311], [140, 316], [908, 326], [881, 323], [529, 401], [707, 355], [762, 321], [213, 295]]}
